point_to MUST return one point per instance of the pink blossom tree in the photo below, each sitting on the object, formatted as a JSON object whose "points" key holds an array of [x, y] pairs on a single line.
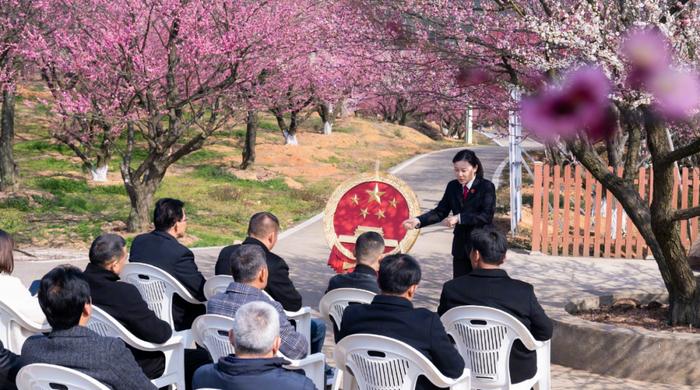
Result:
{"points": [[162, 77], [652, 90]]}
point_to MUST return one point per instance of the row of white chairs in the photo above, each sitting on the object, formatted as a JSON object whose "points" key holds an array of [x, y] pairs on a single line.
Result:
{"points": [[483, 336]]}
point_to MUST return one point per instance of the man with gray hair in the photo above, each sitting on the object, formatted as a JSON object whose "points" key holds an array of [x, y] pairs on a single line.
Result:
{"points": [[250, 273], [256, 339]]}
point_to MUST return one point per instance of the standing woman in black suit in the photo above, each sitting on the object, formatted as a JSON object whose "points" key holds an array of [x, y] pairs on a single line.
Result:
{"points": [[472, 201]]}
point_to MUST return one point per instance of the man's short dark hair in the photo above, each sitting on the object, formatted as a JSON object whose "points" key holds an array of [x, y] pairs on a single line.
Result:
{"points": [[263, 223], [63, 293], [368, 247], [246, 262], [167, 213], [397, 273], [491, 244], [106, 248]]}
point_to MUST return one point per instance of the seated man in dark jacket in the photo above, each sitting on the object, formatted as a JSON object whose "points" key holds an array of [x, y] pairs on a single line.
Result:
{"points": [[64, 297], [9, 365], [124, 302], [255, 366], [369, 250], [263, 230], [161, 249], [391, 314], [487, 285]]}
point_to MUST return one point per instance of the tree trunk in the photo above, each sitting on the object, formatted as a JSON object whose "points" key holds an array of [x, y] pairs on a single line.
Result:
{"points": [[684, 295], [141, 191], [250, 135], [290, 136], [8, 168], [325, 111]]}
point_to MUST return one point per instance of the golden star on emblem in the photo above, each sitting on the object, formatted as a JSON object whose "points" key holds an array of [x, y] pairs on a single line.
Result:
{"points": [[375, 194], [393, 203], [355, 199], [364, 212], [379, 214]]}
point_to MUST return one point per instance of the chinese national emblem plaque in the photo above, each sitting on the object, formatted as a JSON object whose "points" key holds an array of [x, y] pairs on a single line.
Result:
{"points": [[377, 202]]}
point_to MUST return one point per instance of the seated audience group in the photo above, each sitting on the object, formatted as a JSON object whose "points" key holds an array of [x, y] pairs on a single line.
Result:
{"points": [[258, 298]]}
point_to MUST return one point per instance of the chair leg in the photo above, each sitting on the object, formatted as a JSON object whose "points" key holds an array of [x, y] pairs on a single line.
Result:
{"points": [[338, 379]]}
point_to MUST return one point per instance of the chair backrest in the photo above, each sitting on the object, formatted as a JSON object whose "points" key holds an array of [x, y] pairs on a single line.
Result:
{"points": [[15, 328], [157, 288], [382, 363], [333, 304], [216, 285], [484, 337], [48, 377], [211, 332]]}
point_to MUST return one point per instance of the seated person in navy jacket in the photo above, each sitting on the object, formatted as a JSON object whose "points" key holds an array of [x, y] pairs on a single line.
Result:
{"points": [[161, 249], [488, 285], [9, 365], [392, 314], [369, 250], [255, 365], [64, 297]]}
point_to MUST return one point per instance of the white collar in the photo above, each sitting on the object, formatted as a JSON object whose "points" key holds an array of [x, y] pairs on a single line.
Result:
{"points": [[471, 182]]}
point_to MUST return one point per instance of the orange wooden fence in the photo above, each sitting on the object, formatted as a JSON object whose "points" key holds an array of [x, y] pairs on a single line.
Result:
{"points": [[573, 215]]}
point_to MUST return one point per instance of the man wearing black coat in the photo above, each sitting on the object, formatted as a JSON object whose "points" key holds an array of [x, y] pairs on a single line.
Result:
{"points": [[369, 250], [263, 230], [160, 248], [487, 285], [9, 365], [124, 302], [392, 314]]}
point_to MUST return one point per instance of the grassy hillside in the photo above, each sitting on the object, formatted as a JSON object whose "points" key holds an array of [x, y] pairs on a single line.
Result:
{"points": [[58, 206]]}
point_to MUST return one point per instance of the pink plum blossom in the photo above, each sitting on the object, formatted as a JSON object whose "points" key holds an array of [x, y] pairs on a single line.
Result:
{"points": [[578, 104], [647, 52], [676, 93]]}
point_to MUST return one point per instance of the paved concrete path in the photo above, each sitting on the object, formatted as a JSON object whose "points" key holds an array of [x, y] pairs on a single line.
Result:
{"points": [[556, 279]]}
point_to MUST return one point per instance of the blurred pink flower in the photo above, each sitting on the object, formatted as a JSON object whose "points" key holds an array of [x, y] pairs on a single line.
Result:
{"points": [[647, 52], [676, 93], [578, 105]]}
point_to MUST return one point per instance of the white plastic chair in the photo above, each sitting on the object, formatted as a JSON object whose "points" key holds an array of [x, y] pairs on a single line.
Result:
{"points": [[302, 320], [484, 338], [211, 332], [216, 285], [174, 349], [15, 328], [41, 376], [157, 288], [333, 304], [374, 362]]}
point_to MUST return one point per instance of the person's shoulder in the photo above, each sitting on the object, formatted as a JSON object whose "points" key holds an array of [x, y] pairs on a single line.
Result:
{"points": [[225, 251], [204, 375], [453, 183], [293, 380], [484, 182], [520, 284]]}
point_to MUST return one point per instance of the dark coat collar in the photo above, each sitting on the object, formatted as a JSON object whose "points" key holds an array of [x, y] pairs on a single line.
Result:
{"points": [[100, 273], [163, 234], [391, 300], [233, 365], [76, 331], [255, 241], [489, 273], [365, 269]]}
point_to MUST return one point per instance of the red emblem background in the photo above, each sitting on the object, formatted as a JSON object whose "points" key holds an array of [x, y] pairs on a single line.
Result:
{"points": [[377, 202]]}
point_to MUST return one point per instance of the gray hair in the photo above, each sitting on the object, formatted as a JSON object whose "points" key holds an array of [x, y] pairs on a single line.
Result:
{"points": [[256, 327], [246, 262]]}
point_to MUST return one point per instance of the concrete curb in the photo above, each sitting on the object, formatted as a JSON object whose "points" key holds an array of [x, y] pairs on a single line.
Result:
{"points": [[634, 353]]}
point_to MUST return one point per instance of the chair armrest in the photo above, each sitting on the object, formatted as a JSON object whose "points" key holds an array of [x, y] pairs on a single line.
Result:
{"points": [[440, 380], [172, 343], [313, 366], [302, 317]]}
